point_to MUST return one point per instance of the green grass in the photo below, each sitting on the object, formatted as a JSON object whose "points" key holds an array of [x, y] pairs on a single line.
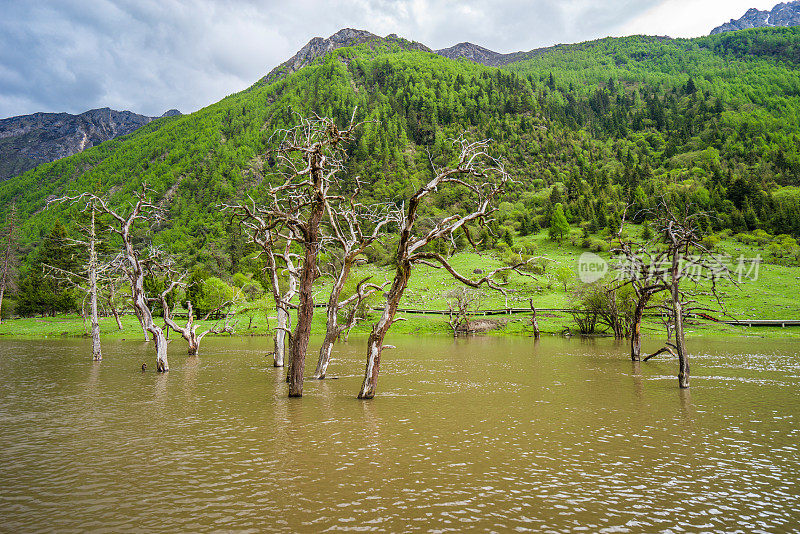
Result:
{"points": [[773, 296]]}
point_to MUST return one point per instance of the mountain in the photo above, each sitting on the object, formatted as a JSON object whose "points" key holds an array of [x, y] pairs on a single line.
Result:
{"points": [[319, 47], [479, 54], [711, 122], [30, 140], [784, 14]]}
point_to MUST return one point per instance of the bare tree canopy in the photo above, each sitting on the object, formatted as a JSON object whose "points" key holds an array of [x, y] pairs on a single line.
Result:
{"points": [[92, 274], [482, 177], [354, 227], [675, 261], [310, 157], [132, 260]]}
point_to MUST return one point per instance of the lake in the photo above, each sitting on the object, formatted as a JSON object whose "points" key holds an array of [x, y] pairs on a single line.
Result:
{"points": [[479, 434]]}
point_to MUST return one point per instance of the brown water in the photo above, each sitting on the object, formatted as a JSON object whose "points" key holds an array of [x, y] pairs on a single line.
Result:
{"points": [[476, 435]]}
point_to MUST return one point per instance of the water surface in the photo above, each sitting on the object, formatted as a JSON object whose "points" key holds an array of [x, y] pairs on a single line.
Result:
{"points": [[485, 434]]}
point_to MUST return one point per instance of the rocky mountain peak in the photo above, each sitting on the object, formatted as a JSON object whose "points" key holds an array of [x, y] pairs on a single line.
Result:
{"points": [[319, 47], [783, 14], [478, 54]]}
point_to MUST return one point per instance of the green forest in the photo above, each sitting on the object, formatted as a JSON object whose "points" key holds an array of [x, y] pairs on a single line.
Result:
{"points": [[584, 130]]}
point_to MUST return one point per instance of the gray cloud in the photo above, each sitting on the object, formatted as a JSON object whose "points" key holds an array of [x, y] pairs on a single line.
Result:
{"points": [[152, 55]]}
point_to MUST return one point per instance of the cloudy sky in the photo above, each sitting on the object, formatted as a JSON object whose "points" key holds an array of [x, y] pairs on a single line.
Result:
{"points": [[152, 55]]}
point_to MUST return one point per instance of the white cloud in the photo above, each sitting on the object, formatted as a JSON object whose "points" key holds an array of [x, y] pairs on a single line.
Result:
{"points": [[152, 55], [689, 18]]}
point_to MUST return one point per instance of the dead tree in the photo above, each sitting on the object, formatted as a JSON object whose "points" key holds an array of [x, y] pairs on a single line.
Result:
{"points": [[9, 257], [92, 275], [678, 264], [268, 230], [310, 157], [638, 264], [321, 145], [461, 304], [189, 332], [482, 177], [349, 222], [136, 263], [174, 280], [278, 264]]}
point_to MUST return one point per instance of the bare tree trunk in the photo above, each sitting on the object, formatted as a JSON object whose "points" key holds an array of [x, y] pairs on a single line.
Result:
{"points": [[116, 318], [331, 333], [305, 311], [284, 324], [680, 343], [378, 334], [284, 317], [677, 311], [111, 296], [97, 354], [6, 263], [534, 321], [140, 304], [351, 323], [141, 322], [636, 329], [332, 328], [161, 350]]}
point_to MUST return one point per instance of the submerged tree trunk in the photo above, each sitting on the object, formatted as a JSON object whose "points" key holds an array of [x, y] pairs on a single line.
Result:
{"points": [[284, 324], [534, 321], [677, 316], [305, 310], [162, 365], [284, 317], [97, 354], [379, 330], [636, 329], [680, 345], [332, 329]]}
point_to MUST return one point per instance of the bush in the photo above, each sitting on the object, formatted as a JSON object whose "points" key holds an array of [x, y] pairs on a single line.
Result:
{"points": [[711, 241], [213, 294]]}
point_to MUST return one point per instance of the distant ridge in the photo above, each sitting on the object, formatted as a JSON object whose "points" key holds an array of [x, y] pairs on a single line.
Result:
{"points": [[783, 14], [479, 54], [27, 141]]}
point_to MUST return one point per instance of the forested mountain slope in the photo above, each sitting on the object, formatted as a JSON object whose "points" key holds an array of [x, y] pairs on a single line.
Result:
{"points": [[30, 140], [713, 121]]}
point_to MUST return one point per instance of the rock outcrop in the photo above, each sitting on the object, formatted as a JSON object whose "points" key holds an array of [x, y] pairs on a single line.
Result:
{"points": [[319, 47], [783, 14]]}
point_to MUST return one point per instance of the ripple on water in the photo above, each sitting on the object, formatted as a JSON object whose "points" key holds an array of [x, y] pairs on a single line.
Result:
{"points": [[485, 434]]}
